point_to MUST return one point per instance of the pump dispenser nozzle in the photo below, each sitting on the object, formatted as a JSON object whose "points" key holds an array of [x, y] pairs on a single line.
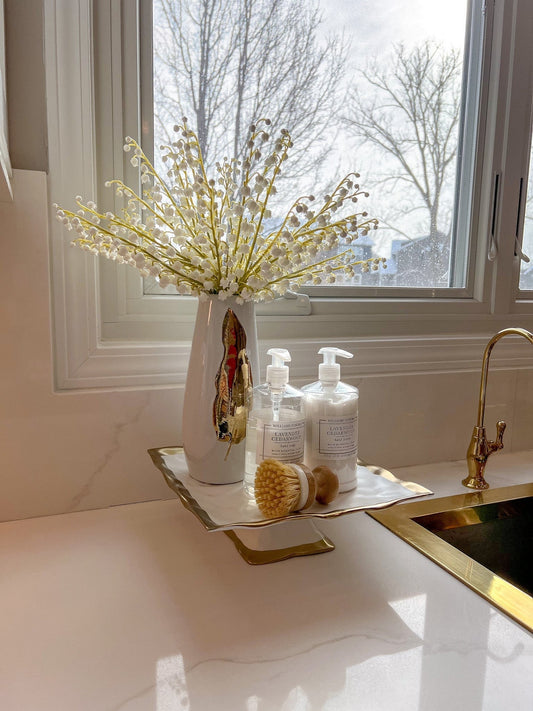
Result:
{"points": [[329, 370], [277, 373]]}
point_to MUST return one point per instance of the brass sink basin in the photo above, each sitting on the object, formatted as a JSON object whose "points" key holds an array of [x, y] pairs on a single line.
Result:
{"points": [[485, 539]]}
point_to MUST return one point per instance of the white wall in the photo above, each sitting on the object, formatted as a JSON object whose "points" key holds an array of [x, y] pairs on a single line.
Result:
{"points": [[63, 452]]}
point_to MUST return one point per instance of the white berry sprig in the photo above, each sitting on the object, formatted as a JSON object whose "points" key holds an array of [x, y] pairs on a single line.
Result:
{"points": [[214, 235]]}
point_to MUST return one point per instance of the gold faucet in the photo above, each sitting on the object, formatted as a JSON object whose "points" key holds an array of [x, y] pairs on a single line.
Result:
{"points": [[480, 447]]}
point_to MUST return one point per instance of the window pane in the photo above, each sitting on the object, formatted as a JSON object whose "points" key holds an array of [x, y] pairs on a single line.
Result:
{"points": [[375, 87], [526, 268]]}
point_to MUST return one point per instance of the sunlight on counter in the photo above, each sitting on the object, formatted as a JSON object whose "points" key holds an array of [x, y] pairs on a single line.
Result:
{"points": [[171, 684]]}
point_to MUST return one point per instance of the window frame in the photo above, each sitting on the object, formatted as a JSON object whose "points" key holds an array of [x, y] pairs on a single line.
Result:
{"points": [[108, 334], [6, 177]]}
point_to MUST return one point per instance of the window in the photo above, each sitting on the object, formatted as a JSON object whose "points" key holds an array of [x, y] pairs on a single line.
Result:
{"points": [[110, 332], [380, 98], [525, 214]]}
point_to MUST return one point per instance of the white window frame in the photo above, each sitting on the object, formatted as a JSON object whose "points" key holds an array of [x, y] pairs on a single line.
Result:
{"points": [[6, 188], [114, 336]]}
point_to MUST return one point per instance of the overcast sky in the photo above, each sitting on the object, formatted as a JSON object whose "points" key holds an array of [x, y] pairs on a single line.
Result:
{"points": [[376, 24]]}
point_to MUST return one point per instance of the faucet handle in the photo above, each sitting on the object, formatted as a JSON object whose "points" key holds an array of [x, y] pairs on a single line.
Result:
{"points": [[498, 442], [478, 452]]}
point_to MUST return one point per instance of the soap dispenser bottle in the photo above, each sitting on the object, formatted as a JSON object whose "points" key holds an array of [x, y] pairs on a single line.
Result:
{"points": [[276, 422], [331, 409]]}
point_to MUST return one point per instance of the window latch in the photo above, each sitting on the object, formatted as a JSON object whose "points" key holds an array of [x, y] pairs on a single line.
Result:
{"points": [[291, 304], [518, 251], [517, 246], [493, 247]]}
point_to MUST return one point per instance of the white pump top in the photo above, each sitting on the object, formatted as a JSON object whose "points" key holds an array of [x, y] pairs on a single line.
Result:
{"points": [[329, 370], [277, 374]]}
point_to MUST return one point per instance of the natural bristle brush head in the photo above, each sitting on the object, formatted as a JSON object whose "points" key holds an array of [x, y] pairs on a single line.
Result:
{"points": [[281, 488]]}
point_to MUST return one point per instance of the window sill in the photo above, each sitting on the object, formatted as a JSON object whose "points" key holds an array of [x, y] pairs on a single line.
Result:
{"points": [[126, 365]]}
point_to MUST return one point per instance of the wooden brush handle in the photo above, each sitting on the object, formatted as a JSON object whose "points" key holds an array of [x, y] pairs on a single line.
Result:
{"points": [[327, 484]]}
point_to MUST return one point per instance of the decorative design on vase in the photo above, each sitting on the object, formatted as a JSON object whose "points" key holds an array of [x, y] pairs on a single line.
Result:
{"points": [[233, 383]]}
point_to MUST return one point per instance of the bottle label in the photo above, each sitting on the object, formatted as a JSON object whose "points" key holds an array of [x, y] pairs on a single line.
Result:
{"points": [[283, 441], [337, 437]]}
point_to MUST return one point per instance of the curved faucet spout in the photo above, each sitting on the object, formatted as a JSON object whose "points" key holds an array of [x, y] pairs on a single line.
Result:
{"points": [[480, 447]]}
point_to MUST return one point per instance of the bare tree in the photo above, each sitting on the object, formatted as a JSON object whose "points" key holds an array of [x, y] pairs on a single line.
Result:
{"points": [[528, 217], [225, 63], [526, 266], [409, 112], [193, 51]]}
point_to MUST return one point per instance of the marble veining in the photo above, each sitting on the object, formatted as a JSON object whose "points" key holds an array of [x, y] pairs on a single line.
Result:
{"points": [[113, 449], [312, 648], [134, 697]]}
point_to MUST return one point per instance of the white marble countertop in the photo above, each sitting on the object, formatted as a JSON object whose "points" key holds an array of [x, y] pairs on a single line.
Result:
{"points": [[137, 607]]}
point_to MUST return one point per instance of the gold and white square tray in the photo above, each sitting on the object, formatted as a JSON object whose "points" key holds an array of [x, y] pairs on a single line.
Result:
{"points": [[260, 540]]}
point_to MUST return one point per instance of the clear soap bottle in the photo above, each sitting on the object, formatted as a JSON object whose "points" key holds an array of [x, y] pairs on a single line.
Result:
{"points": [[331, 409], [276, 421]]}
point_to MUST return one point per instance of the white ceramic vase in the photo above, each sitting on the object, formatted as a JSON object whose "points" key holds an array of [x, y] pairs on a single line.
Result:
{"points": [[223, 367]]}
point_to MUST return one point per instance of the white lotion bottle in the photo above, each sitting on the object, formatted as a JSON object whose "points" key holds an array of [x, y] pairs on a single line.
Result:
{"points": [[331, 410], [276, 421]]}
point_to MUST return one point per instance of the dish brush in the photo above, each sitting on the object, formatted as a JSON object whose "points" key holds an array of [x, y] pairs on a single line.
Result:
{"points": [[281, 488]]}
